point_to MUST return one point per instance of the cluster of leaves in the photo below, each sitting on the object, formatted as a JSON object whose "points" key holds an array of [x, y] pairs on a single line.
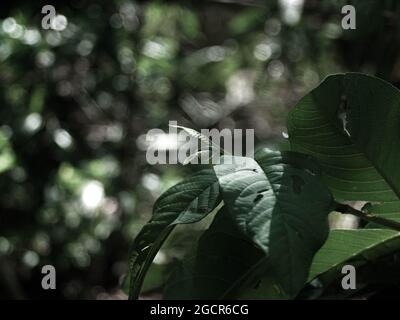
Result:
{"points": [[270, 234]]}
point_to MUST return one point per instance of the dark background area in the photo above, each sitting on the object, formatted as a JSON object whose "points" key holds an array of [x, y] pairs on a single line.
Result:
{"points": [[76, 103]]}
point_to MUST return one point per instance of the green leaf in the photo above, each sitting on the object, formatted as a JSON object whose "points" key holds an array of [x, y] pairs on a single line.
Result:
{"points": [[351, 124], [222, 257], [187, 202], [280, 204], [352, 246]]}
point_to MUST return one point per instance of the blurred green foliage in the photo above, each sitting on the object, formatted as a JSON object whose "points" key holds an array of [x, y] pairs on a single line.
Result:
{"points": [[76, 103]]}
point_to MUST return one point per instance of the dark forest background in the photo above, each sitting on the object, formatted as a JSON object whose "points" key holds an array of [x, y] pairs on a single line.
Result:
{"points": [[76, 103]]}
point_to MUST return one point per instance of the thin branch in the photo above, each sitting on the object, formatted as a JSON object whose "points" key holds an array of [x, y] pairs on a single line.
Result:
{"points": [[344, 208]]}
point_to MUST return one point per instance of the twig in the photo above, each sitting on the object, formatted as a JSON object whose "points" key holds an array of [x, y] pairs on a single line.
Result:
{"points": [[344, 208]]}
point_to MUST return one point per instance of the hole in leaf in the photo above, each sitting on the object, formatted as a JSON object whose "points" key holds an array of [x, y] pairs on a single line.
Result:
{"points": [[342, 114], [258, 198]]}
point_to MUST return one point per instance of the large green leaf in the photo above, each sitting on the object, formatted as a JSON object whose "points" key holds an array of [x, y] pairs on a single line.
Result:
{"points": [[223, 255], [282, 206], [187, 202], [351, 124], [352, 246]]}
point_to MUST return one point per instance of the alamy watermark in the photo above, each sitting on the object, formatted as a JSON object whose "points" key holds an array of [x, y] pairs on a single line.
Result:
{"points": [[349, 20], [49, 280], [52, 20], [349, 280], [184, 145]]}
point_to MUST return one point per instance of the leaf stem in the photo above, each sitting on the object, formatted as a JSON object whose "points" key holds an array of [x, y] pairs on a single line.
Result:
{"points": [[344, 208]]}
